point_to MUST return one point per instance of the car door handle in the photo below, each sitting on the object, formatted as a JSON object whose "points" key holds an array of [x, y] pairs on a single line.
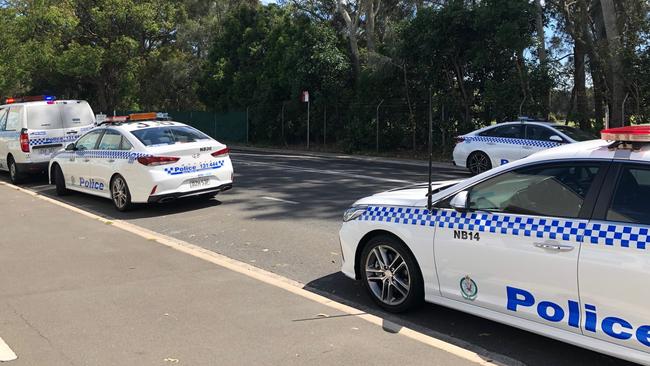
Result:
{"points": [[491, 143], [554, 246], [71, 132], [86, 160], [111, 160], [527, 147]]}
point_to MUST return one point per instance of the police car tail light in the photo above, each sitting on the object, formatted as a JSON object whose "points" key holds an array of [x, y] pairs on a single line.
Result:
{"points": [[221, 153], [24, 142], [157, 160], [627, 134], [460, 139]]}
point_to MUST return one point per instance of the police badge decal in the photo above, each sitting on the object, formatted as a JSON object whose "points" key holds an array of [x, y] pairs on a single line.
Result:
{"points": [[468, 288]]}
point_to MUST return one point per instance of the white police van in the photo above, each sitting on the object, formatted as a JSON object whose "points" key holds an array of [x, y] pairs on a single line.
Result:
{"points": [[32, 128], [557, 243], [139, 159], [500, 144]]}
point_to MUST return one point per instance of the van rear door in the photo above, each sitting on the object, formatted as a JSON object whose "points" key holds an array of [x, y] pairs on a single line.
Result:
{"points": [[77, 118], [45, 130]]}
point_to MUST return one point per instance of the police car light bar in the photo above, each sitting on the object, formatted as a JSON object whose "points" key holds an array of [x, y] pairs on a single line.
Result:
{"points": [[627, 134], [143, 116], [33, 98]]}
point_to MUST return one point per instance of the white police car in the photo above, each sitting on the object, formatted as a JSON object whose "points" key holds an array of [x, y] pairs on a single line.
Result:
{"points": [[500, 144], [137, 159], [557, 243], [32, 128]]}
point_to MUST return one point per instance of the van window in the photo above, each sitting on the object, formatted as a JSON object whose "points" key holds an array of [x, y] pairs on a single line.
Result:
{"points": [[3, 119], [43, 117], [76, 114], [13, 119]]}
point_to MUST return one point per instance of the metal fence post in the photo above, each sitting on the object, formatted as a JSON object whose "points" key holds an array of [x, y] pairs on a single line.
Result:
{"points": [[247, 125], [308, 104], [377, 120], [215, 125]]}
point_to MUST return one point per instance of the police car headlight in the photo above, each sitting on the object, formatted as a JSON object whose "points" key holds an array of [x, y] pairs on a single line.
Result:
{"points": [[353, 212]]}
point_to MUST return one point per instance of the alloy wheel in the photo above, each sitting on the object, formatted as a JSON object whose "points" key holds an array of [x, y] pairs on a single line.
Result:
{"points": [[388, 275]]}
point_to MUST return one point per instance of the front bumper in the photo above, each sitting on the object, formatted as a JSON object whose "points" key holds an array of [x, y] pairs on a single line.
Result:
{"points": [[172, 196]]}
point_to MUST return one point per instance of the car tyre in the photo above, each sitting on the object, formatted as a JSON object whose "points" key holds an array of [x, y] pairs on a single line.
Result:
{"points": [[59, 181], [120, 194], [15, 175], [391, 274], [478, 162]]}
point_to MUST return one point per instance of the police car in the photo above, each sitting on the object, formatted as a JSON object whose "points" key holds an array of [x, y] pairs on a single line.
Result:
{"points": [[557, 243], [32, 128], [138, 159], [493, 146]]}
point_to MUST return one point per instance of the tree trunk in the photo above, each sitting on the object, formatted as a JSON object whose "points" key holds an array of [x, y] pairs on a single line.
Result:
{"points": [[599, 98], [579, 83], [543, 59], [372, 10], [616, 83], [352, 25]]}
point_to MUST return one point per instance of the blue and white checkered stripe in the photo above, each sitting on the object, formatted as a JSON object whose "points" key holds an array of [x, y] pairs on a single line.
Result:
{"points": [[103, 154], [52, 140], [399, 215], [511, 141], [619, 235]]}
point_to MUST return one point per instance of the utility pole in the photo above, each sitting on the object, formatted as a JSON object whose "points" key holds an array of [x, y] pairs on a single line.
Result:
{"points": [[377, 120]]}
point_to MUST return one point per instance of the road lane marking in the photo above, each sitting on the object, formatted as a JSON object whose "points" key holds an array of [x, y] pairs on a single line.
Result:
{"points": [[6, 354], [281, 282], [280, 200]]}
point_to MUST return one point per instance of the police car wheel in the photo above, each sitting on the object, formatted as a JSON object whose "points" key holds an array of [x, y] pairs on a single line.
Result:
{"points": [[14, 174], [59, 181], [391, 275], [120, 194], [478, 162]]}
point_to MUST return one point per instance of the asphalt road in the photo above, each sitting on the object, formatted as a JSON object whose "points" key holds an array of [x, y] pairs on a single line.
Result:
{"points": [[284, 215]]}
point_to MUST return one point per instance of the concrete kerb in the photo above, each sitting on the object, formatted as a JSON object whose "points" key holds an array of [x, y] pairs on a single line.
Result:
{"points": [[284, 283]]}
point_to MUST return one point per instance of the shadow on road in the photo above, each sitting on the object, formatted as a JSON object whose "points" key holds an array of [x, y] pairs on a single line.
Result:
{"points": [[489, 339]]}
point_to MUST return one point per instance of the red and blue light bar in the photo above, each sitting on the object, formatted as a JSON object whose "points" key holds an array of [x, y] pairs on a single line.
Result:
{"points": [[640, 133], [32, 98]]}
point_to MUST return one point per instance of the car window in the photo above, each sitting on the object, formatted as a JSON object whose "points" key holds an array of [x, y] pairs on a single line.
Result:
{"points": [[557, 191], [576, 134], [540, 133], [112, 140], [513, 131], [168, 135], [88, 141], [3, 119], [631, 197], [76, 114], [13, 119], [43, 117], [126, 145]]}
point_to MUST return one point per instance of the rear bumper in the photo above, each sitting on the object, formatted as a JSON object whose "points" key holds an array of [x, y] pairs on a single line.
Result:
{"points": [[33, 168], [172, 196]]}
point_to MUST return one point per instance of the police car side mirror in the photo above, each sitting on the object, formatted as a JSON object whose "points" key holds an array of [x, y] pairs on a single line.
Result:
{"points": [[556, 138], [460, 201], [71, 147]]}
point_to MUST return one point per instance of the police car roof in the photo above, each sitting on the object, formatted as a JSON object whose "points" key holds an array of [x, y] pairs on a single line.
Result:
{"points": [[135, 125], [588, 150], [43, 102]]}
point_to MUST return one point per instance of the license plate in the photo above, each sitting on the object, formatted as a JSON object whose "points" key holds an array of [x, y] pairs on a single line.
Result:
{"points": [[47, 151], [199, 182]]}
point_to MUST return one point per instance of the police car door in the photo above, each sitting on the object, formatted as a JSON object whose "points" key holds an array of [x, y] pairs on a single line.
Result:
{"points": [[503, 143], [515, 250], [78, 168], [113, 153], [615, 261], [538, 138], [4, 138]]}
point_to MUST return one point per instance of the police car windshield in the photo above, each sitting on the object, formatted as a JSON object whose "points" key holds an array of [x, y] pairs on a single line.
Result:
{"points": [[168, 135], [576, 134]]}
